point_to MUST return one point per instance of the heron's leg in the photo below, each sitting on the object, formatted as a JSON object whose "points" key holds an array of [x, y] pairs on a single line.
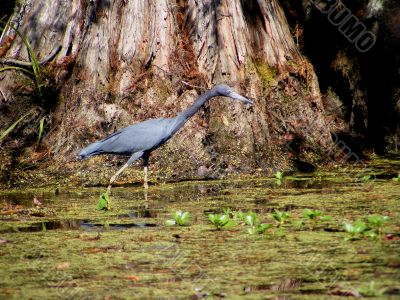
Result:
{"points": [[146, 185], [114, 177], [134, 157], [145, 157]]}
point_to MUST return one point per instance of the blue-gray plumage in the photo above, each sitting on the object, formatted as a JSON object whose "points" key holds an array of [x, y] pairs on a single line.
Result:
{"points": [[139, 140]]}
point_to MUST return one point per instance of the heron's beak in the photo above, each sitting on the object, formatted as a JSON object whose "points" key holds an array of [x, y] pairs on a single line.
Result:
{"points": [[240, 98]]}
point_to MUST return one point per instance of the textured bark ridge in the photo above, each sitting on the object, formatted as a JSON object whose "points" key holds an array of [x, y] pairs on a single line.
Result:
{"points": [[125, 61], [227, 35]]}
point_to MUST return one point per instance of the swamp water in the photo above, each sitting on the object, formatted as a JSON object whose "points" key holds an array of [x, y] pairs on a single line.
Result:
{"points": [[66, 249]]}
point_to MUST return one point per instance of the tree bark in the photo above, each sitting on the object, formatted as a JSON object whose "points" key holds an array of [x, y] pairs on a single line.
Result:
{"points": [[124, 61]]}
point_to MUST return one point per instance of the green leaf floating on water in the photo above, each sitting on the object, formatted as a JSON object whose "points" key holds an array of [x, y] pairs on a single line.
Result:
{"points": [[104, 202], [180, 218], [397, 179]]}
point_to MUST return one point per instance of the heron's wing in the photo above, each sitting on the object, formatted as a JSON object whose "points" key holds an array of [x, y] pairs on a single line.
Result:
{"points": [[144, 136]]}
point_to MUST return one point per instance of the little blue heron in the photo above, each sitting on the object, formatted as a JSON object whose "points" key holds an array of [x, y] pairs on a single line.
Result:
{"points": [[140, 139]]}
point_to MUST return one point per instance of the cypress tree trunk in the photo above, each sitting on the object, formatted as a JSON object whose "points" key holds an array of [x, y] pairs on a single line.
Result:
{"points": [[121, 62]]}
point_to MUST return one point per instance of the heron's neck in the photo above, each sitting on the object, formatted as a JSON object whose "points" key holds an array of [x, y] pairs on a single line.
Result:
{"points": [[188, 113]]}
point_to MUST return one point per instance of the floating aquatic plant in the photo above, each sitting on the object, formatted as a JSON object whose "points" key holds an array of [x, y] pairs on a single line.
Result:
{"points": [[366, 178], [280, 216], [239, 216], [371, 290], [355, 230], [371, 228], [259, 228], [180, 218], [104, 202], [279, 176], [255, 227], [315, 216], [397, 179], [221, 221], [376, 222]]}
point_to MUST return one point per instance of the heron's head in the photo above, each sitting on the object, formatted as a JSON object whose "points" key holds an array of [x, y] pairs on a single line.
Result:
{"points": [[226, 91]]}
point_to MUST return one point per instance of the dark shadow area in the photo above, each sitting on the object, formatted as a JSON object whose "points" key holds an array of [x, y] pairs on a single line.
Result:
{"points": [[367, 83], [74, 224], [7, 8]]}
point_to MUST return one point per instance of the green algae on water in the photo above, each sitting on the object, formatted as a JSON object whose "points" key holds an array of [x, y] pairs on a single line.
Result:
{"points": [[78, 256]]}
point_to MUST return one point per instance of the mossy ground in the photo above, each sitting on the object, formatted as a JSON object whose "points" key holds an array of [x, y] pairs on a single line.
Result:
{"points": [[128, 252]]}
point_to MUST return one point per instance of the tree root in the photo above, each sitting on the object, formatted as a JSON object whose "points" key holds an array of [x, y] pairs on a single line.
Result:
{"points": [[24, 64]]}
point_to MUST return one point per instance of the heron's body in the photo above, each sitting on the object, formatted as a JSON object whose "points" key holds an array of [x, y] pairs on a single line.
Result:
{"points": [[140, 139]]}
